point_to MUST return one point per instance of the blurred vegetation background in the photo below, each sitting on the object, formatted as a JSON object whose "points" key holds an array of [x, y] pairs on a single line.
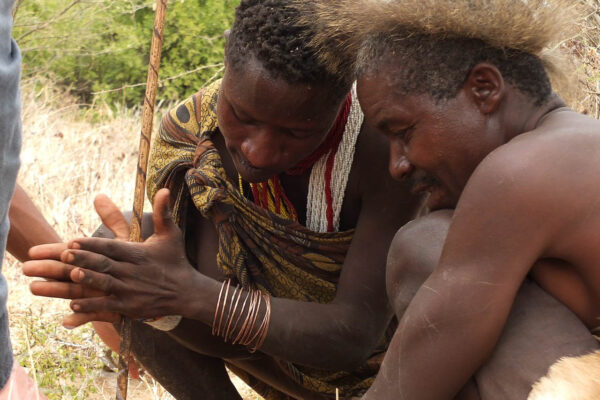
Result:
{"points": [[99, 48], [84, 74]]}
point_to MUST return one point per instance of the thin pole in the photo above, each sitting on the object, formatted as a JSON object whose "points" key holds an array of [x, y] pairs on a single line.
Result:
{"points": [[135, 234]]}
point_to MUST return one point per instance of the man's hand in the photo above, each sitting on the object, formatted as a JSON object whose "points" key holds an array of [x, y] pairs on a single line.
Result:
{"points": [[46, 264], [139, 280]]}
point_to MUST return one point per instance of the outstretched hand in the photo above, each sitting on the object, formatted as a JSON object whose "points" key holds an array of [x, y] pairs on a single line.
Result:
{"points": [[46, 263], [139, 280]]}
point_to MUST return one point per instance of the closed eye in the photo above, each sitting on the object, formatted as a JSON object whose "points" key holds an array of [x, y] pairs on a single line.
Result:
{"points": [[404, 134], [301, 134], [244, 119], [394, 129]]}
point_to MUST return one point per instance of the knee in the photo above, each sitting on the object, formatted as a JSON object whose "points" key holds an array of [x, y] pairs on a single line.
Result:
{"points": [[417, 246], [147, 227], [415, 252]]}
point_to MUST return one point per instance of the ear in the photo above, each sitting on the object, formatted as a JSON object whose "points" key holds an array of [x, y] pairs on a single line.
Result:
{"points": [[485, 85]]}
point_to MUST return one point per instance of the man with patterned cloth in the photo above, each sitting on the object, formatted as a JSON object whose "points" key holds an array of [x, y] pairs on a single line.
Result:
{"points": [[283, 212], [275, 261]]}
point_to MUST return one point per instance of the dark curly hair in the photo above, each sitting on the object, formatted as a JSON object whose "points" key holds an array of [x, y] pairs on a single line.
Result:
{"points": [[268, 30], [439, 66]]}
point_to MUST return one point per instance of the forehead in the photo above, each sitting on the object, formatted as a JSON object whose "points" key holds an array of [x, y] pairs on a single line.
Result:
{"points": [[382, 100], [252, 88]]}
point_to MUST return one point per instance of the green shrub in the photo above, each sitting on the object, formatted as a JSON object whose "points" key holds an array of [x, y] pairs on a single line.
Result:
{"points": [[99, 49]]}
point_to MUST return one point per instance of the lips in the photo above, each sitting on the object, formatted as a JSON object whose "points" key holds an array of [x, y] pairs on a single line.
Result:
{"points": [[249, 172], [421, 187], [423, 183], [437, 195], [246, 164], [439, 199]]}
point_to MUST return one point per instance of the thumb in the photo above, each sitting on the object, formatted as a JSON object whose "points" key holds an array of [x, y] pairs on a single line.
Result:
{"points": [[111, 216], [163, 222]]}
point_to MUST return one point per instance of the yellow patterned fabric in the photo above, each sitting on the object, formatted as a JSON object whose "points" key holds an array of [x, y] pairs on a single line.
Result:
{"points": [[257, 248]]}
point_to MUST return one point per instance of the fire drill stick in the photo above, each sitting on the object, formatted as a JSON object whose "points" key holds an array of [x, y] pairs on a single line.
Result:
{"points": [[135, 234]]}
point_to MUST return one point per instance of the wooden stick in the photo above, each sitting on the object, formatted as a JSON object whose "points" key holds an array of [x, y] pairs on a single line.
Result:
{"points": [[135, 234]]}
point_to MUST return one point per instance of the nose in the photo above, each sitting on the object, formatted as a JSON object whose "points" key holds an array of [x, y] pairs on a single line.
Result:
{"points": [[262, 149], [400, 167]]}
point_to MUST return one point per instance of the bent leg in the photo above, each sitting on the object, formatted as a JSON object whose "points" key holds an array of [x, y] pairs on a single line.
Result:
{"points": [[413, 255], [272, 379], [540, 330], [184, 373], [572, 378]]}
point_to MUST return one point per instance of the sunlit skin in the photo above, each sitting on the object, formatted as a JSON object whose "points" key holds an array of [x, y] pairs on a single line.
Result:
{"points": [[435, 147], [523, 179], [268, 126]]}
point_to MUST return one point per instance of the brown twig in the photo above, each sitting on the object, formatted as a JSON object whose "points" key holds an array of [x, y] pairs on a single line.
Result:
{"points": [[15, 9], [135, 234], [162, 81], [50, 21]]}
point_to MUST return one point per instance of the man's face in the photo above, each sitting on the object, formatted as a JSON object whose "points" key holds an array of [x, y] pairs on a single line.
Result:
{"points": [[434, 146], [270, 125]]}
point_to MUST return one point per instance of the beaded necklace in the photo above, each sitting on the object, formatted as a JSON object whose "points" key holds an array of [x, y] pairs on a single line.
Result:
{"points": [[330, 162]]}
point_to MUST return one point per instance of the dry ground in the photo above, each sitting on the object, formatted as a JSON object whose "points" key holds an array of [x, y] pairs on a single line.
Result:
{"points": [[69, 156], [72, 152]]}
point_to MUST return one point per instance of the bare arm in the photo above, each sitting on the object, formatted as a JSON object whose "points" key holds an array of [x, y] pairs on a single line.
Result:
{"points": [[28, 227], [503, 223], [336, 335], [350, 327]]}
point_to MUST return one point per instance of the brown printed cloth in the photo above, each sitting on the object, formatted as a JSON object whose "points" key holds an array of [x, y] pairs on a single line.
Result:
{"points": [[257, 248]]}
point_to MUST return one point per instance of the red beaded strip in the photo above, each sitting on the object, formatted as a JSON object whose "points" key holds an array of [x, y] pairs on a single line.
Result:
{"points": [[260, 191]]}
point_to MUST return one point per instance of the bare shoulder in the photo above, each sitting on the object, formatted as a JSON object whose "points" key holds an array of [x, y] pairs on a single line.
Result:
{"points": [[563, 141], [545, 169]]}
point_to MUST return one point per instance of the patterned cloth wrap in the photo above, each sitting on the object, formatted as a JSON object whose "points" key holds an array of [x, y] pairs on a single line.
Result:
{"points": [[257, 248]]}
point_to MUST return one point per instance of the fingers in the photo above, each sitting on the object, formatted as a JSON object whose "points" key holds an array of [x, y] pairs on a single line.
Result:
{"points": [[77, 319], [111, 216], [96, 305], [48, 269], [114, 249], [47, 251], [95, 280], [63, 290], [163, 223]]}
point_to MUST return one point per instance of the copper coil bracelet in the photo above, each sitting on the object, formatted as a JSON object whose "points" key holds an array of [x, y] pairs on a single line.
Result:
{"points": [[237, 325]]}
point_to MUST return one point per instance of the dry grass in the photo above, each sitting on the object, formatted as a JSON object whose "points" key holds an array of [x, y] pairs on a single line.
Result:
{"points": [[586, 49], [71, 153]]}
